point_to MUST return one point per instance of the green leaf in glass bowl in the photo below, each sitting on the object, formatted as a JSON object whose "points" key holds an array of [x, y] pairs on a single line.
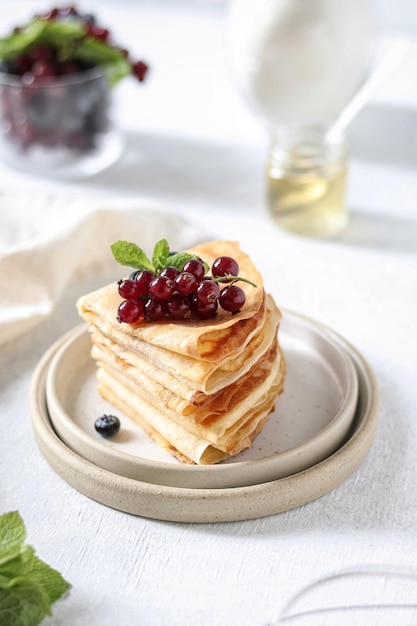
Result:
{"points": [[71, 41], [110, 60], [38, 31]]}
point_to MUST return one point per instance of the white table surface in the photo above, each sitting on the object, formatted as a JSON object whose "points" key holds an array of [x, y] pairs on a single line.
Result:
{"points": [[194, 147]]}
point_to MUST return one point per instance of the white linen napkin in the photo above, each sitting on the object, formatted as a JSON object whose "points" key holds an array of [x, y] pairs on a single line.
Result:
{"points": [[48, 242]]}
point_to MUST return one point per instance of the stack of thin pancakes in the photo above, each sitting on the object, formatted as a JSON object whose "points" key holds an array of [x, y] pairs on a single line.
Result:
{"points": [[202, 389]]}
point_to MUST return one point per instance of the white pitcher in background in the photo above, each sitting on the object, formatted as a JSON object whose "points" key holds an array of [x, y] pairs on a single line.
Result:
{"points": [[299, 62]]}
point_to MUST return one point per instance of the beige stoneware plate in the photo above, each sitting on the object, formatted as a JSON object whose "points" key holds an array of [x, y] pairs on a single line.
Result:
{"points": [[181, 504], [311, 420]]}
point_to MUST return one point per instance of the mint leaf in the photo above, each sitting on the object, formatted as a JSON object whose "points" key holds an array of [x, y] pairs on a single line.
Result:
{"points": [[177, 260], [47, 577], [127, 253], [112, 62], [24, 603], [28, 586], [16, 566], [70, 40], [39, 31], [12, 535], [16, 44], [56, 33], [12, 530], [160, 255]]}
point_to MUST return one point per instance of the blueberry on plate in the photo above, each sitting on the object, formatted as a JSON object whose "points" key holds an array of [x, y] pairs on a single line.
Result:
{"points": [[107, 425]]}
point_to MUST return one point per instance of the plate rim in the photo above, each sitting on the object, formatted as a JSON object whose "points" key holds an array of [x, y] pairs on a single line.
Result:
{"points": [[196, 505]]}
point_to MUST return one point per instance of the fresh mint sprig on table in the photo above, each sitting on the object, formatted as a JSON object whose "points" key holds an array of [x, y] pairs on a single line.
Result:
{"points": [[28, 586], [131, 255]]}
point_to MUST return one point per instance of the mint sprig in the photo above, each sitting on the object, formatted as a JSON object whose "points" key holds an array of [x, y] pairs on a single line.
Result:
{"points": [[127, 253], [28, 586], [131, 255], [160, 255]]}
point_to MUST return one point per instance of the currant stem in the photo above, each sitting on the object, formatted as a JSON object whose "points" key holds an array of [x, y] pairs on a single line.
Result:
{"points": [[232, 279]]}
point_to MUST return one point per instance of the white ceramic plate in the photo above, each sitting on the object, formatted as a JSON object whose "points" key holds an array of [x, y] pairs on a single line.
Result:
{"points": [[311, 420], [209, 505]]}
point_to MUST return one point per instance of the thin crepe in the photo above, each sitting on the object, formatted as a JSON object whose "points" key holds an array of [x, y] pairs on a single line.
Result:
{"points": [[162, 390], [189, 378], [190, 444]]}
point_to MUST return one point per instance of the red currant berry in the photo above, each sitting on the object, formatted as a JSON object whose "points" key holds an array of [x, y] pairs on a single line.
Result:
{"points": [[201, 310], [194, 267], [185, 283], [42, 53], [144, 279], [232, 298], [154, 310], [23, 65], [170, 271], [97, 32], [162, 287], [129, 289], [178, 307], [223, 266], [69, 10], [68, 67], [51, 15], [130, 311], [43, 69], [207, 291], [139, 69]]}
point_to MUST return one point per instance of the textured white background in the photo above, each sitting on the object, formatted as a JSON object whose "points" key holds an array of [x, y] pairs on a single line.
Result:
{"points": [[193, 146]]}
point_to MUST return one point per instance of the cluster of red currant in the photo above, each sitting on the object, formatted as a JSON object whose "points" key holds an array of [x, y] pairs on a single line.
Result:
{"points": [[181, 294]]}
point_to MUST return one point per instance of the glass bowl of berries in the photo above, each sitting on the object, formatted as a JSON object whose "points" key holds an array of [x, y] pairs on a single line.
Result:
{"points": [[57, 75]]}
